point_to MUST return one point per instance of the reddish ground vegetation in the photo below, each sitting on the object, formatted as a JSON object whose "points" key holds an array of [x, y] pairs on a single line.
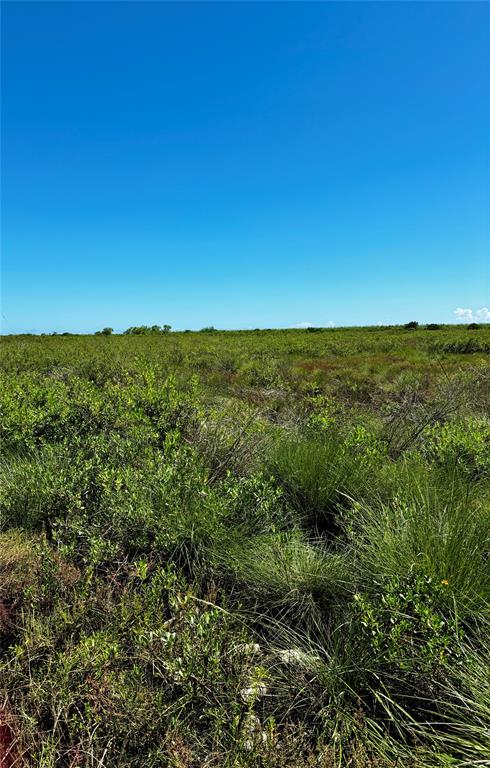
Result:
{"points": [[9, 755]]}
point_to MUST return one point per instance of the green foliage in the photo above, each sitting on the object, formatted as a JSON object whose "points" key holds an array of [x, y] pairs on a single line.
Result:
{"points": [[263, 548], [406, 625], [141, 668], [436, 524], [317, 474], [144, 330], [464, 443]]}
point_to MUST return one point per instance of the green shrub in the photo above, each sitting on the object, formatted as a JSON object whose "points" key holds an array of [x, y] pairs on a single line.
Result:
{"points": [[465, 444], [150, 661], [407, 623]]}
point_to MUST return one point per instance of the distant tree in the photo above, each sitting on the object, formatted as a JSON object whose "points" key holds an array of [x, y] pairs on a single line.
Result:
{"points": [[411, 326], [433, 327], [208, 329], [141, 330], [473, 326], [105, 332]]}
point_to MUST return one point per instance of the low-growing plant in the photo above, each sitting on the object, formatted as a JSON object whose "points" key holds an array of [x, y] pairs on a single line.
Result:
{"points": [[465, 444]]}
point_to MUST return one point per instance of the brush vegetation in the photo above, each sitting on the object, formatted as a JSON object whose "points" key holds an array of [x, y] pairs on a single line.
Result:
{"points": [[246, 549]]}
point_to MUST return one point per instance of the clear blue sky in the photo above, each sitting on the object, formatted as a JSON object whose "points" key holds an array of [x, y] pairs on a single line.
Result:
{"points": [[244, 164]]}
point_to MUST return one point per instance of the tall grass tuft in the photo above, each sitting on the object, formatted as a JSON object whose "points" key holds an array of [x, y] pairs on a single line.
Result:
{"points": [[443, 534], [315, 475]]}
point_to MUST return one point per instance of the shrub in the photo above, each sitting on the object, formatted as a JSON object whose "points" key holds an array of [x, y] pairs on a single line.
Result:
{"points": [[465, 444], [407, 623], [148, 661]]}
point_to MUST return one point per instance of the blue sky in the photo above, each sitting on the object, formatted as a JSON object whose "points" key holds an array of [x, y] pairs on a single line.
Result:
{"points": [[244, 164]]}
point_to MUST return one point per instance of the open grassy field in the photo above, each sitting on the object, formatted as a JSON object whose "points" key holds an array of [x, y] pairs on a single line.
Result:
{"points": [[237, 549]]}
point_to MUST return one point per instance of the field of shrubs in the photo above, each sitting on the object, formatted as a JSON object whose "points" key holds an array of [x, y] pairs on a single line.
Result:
{"points": [[237, 549]]}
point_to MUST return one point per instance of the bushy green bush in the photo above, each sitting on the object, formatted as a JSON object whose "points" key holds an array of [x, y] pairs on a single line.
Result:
{"points": [[407, 624], [462, 443], [145, 666]]}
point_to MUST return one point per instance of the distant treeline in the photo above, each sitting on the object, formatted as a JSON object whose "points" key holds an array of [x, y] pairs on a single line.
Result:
{"points": [[143, 330], [148, 330]]}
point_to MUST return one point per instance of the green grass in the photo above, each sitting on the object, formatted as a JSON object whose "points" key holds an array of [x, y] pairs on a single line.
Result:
{"points": [[265, 548]]}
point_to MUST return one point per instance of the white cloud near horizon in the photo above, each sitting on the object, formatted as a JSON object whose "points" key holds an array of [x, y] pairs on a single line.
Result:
{"points": [[468, 316], [307, 324], [304, 324]]}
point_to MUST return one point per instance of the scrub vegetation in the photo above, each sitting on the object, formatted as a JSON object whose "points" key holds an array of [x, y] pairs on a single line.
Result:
{"points": [[237, 549]]}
